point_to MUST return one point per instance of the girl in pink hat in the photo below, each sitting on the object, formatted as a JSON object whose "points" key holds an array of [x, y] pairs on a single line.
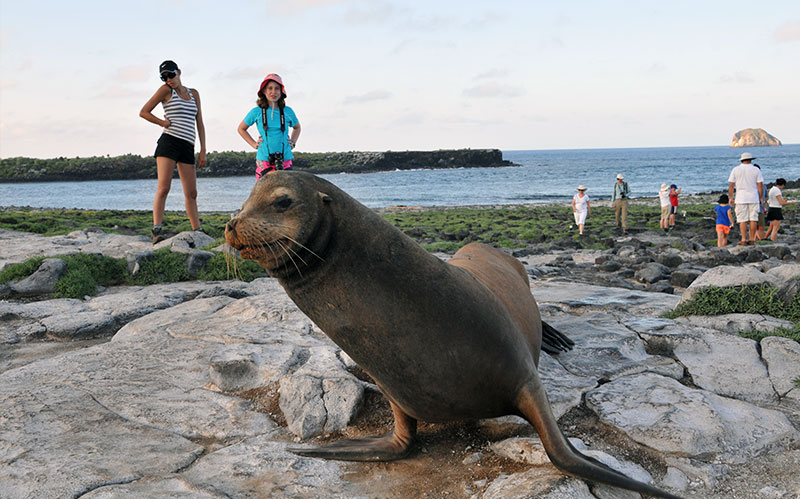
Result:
{"points": [[273, 118]]}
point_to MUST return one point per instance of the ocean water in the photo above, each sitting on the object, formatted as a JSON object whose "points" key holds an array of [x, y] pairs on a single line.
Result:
{"points": [[543, 176]]}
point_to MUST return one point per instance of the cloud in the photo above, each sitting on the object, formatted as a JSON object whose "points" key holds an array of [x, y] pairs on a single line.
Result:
{"points": [[134, 73], [788, 32], [119, 92], [492, 73], [368, 97], [488, 90], [738, 77], [376, 13], [487, 19], [247, 73], [291, 7]]}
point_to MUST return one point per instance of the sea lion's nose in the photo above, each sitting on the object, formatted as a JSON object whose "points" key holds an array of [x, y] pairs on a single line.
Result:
{"points": [[231, 226]]}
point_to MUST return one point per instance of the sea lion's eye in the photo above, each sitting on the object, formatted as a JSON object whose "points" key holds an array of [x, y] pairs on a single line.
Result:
{"points": [[282, 203]]}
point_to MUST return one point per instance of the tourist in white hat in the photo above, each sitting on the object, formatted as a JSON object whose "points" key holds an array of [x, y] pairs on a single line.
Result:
{"points": [[663, 196], [581, 207], [749, 185], [619, 201]]}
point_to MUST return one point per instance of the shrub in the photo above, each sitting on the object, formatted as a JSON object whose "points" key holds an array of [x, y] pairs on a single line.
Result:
{"points": [[164, 266], [761, 299], [217, 269], [86, 271], [19, 271]]}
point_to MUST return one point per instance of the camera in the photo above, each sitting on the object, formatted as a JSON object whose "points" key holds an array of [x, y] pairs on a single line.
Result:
{"points": [[276, 159]]}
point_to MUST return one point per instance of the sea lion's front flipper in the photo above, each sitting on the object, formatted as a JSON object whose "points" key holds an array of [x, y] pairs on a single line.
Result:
{"points": [[393, 445], [533, 404]]}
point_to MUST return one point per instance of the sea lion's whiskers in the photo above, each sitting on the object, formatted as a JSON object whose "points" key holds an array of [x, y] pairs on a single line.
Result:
{"points": [[290, 256], [289, 248], [286, 236]]}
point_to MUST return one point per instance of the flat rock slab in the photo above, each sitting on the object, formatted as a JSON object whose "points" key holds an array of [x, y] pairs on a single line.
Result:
{"points": [[20, 246], [734, 323], [587, 297], [671, 418], [605, 349]]}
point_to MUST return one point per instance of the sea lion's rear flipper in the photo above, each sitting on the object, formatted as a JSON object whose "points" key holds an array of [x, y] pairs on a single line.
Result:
{"points": [[554, 341], [533, 404], [389, 447]]}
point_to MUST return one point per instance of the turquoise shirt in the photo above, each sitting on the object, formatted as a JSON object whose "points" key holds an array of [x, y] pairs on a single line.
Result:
{"points": [[275, 140]]}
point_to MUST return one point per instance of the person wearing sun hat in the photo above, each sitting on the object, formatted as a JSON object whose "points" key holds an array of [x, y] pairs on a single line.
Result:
{"points": [[581, 207], [748, 182], [619, 201], [663, 197], [273, 119]]}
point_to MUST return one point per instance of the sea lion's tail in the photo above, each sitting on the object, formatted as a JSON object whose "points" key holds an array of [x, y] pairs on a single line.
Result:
{"points": [[554, 341], [534, 406]]}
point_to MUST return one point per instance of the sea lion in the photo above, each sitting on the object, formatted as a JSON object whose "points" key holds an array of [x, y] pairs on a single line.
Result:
{"points": [[443, 341]]}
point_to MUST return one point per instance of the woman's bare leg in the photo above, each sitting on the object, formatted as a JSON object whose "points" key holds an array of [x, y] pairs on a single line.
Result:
{"points": [[164, 167], [189, 183]]}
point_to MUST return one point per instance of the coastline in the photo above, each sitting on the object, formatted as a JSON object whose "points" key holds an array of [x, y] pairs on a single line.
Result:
{"points": [[236, 163]]}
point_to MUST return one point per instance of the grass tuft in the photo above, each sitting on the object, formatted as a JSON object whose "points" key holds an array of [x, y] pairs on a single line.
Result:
{"points": [[761, 299]]}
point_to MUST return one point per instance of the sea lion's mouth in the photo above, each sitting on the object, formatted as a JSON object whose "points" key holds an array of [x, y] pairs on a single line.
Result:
{"points": [[255, 251]]}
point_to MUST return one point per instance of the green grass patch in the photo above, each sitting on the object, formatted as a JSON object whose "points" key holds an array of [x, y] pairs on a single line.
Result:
{"points": [[20, 270], [86, 271], [761, 299], [217, 270], [791, 333], [163, 266]]}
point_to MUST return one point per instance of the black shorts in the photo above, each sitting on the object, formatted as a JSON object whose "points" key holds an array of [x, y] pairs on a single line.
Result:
{"points": [[176, 149], [673, 210], [774, 214]]}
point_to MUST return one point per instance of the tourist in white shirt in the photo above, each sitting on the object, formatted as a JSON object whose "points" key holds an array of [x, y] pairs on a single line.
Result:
{"points": [[663, 196], [749, 184], [580, 208], [775, 202]]}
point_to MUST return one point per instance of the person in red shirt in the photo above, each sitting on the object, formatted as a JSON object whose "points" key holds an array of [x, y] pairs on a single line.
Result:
{"points": [[674, 190]]}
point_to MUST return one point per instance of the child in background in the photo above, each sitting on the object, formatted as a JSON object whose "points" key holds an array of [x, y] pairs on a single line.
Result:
{"points": [[673, 201], [724, 220], [663, 196], [776, 204], [273, 118]]}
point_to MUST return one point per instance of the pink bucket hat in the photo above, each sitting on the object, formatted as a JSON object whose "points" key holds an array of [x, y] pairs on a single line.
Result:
{"points": [[277, 79]]}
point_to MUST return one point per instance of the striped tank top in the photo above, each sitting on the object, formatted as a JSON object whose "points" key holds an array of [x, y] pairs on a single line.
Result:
{"points": [[181, 115]]}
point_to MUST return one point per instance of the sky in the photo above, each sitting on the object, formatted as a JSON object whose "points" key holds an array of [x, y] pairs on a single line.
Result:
{"points": [[376, 75]]}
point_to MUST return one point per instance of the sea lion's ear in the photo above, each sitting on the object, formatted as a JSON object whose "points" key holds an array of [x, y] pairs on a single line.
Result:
{"points": [[325, 198]]}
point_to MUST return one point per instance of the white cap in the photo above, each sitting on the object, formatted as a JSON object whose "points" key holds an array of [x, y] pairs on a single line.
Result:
{"points": [[746, 155], [619, 176], [664, 187]]}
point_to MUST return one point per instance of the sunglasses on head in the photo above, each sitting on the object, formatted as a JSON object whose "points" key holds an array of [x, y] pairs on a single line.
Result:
{"points": [[166, 75]]}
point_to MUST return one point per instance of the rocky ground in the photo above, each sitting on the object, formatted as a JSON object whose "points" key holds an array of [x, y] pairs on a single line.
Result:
{"points": [[195, 389]]}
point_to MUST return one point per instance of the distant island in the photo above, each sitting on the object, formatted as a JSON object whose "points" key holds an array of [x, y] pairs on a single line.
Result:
{"points": [[231, 164], [754, 137]]}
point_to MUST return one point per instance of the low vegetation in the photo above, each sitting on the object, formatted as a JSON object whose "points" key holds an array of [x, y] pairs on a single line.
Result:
{"points": [[761, 299], [85, 272], [444, 229]]}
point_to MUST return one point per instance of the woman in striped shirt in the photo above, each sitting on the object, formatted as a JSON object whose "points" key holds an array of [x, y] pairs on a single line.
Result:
{"points": [[176, 144]]}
